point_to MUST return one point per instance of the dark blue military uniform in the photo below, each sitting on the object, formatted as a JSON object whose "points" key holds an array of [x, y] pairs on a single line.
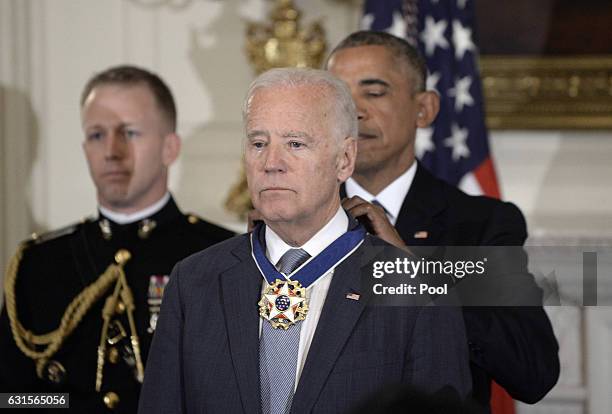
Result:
{"points": [[56, 268]]}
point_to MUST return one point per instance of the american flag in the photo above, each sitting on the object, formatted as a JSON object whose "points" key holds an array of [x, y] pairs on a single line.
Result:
{"points": [[456, 147]]}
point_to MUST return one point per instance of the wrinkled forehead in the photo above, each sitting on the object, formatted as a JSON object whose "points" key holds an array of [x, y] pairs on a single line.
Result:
{"points": [[304, 101]]}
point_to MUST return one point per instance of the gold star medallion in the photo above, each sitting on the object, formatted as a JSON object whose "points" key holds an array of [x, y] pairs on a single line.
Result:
{"points": [[283, 303]]}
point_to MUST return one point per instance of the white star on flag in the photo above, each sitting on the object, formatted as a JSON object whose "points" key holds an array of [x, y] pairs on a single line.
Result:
{"points": [[366, 21], [461, 4], [432, 82], [461, 92], [423, 142], [458, 142], [433, 35], [293, 300], [398, 28], [462, 39]]}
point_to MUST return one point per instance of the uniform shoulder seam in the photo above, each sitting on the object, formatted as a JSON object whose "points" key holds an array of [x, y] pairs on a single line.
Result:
{"points": [[36, 239]]}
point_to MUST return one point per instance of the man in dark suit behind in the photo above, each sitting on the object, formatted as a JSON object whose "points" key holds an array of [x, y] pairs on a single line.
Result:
{"points": [[320, 350], [515, 347]]}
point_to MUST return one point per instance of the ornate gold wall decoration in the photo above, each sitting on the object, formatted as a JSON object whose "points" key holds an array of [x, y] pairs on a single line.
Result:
{"points": [[238, 199], [282, 42], [548, 92]]}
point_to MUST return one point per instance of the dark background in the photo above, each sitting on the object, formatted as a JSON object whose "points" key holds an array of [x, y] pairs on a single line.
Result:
{"points": [[544, 27]]}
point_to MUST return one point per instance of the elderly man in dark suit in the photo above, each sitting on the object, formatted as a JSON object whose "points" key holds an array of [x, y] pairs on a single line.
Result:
{"points": [[277, 320], [404, 204]]}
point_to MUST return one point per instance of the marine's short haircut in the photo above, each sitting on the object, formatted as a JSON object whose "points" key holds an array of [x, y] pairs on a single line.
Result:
{"points": [[398, 47], [342, 105], [126, 75]]}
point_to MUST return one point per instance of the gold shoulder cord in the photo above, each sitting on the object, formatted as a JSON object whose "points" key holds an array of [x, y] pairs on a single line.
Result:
{"points": [[121, 289], [27, 341]]}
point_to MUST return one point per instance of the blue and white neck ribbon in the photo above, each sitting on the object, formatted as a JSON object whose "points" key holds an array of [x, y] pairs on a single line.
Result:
{"points": [[309, 272]]}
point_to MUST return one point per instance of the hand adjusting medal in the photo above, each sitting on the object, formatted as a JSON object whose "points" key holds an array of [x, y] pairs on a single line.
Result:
{"points": [[284, 301]]}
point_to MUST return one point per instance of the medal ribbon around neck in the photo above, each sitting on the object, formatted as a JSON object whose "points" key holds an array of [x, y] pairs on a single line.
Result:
{"points": [[284, 300]]}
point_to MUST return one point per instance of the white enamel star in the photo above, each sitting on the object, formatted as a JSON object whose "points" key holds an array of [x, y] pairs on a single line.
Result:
{"points": [[293, 300]]}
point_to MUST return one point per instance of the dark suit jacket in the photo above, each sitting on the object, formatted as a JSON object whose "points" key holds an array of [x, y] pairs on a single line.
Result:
{"points": [[514, 346], [204, 356]]}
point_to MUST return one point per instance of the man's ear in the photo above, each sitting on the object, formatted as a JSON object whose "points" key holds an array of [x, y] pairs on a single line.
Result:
{"points": [[346, 159], [171, 148], [428, 104]]}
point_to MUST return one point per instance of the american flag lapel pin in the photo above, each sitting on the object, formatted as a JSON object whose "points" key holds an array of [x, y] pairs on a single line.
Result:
{"points": [[353, 296], [423, 234]]}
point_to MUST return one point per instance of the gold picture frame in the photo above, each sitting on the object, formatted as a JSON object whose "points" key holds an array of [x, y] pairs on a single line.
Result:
{"points": [[546, 64], [544, 92]]}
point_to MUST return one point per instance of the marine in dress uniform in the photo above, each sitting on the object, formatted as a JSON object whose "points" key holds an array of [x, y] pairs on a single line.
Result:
{"points": [[81, 303], [56, 268]]}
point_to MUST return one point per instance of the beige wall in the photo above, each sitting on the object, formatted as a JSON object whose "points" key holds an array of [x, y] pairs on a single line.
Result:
{"points": [[562, 180]]}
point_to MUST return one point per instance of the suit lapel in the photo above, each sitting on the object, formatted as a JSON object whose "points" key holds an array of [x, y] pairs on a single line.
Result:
{"points": [[338, 318], [424, 201], [240, 291]]}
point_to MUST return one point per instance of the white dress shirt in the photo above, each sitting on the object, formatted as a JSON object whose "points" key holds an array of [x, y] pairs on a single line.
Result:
{"points": [[391, 197], [121, 218], [317, 292]]}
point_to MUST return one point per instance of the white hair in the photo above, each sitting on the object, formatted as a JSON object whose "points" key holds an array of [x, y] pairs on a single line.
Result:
{"points": [[342, 105]]}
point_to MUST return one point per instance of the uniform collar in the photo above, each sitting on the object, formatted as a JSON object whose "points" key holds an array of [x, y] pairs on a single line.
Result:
{"points": [[336, 227], [121, 218], [164, 217], [391, 197]]}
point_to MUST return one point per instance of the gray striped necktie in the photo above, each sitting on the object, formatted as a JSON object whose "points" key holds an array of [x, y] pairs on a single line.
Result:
{"points": [[278, 351], [377, 203]]}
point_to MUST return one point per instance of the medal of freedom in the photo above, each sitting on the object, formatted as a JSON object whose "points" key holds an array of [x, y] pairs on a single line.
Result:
{"points": [[283, 303]]}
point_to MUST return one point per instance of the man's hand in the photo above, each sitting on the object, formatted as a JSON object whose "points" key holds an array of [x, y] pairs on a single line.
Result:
{"points": [[253, 216], [374, 219]]}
